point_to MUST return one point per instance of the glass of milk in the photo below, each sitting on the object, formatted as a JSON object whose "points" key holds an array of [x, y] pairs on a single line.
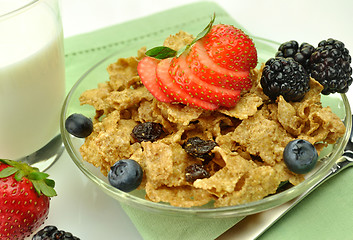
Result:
{"points": [[32, 78]]}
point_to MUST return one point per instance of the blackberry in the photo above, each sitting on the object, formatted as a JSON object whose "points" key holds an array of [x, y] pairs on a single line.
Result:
{"points": [[286, 77], [301, 53], [52, 233], [330, 65]]}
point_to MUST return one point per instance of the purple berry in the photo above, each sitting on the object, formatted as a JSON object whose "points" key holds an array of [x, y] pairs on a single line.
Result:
{"points": [[300, 156], [126, 175]]}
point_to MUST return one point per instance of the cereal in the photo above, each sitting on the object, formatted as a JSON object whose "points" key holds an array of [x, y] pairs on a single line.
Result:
{"points": [[246, 163]]}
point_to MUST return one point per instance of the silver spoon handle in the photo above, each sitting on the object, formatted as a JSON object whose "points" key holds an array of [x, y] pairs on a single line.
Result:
{"points": [[345, 161]]}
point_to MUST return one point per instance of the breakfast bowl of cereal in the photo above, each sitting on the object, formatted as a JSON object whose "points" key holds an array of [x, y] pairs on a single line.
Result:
{"points": [[196, 128]]}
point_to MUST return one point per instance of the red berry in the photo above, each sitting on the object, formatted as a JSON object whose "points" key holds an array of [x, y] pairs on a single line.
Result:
{"points": [[22, 208], [210, 75], [230, 47], [147, 72], [209, 71], [183, 75], [175, 92]]}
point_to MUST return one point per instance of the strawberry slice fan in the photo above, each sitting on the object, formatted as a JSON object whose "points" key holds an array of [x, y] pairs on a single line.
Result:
{"points": [[209, 73]]}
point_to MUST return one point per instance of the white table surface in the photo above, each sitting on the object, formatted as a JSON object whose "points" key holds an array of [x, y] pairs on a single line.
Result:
{"points": [[81, 206]]}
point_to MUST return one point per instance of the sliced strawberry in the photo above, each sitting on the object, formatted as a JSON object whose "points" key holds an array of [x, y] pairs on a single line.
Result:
{"points": [[146, 69], [181, 72], [209, 71], [177, 92], [230, 47]]}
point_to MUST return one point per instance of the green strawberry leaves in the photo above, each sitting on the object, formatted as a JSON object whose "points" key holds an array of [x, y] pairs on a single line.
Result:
{"points": [[40, 180], [162, 52], [8, 172]]}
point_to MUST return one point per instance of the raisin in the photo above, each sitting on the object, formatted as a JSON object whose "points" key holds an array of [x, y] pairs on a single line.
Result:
{"points": [[200, 148], [196, 171], [148, 131]]}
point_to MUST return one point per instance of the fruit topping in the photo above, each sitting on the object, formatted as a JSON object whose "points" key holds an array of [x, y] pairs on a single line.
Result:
{"points": [[192, 84], [175, 92], [286, 77], [147, 71], [79, 125], [301, 53], [212, 73], [24, 196], [53, 233], [200, 148], [230, 48], [330, 65], [148, 131], [300, 156], [125, 175], [196, 171], [209, 73]]}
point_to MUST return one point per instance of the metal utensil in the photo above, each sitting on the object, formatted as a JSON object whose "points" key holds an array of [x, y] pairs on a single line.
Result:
{"points": [[254, 225], [46, 156], [345, 161]]}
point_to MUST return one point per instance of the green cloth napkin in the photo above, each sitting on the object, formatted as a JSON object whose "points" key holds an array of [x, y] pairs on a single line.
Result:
{"points": [[85, 50]]}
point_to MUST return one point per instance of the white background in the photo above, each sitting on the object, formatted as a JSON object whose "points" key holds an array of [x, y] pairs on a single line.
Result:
{"points": [[82, 208]]}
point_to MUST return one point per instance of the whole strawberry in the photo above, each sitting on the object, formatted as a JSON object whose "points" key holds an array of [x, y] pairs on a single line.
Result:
{"points": [[24, 199]]}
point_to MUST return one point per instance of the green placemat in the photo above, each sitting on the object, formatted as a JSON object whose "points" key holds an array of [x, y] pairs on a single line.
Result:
{"points": [[85, 50]]}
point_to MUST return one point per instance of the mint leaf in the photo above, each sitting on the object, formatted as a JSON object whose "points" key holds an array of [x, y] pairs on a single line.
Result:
{"points": [[198, 37], [161, 52], [205, 31]]}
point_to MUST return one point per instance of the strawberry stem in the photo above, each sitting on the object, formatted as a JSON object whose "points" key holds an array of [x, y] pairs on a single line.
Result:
{"points": [[21, 170]]}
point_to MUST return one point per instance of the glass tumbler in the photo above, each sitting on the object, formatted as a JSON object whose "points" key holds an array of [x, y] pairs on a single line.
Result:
{"points": [[32, 81]]}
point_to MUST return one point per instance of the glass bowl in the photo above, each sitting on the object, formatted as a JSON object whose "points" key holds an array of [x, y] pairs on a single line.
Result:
{"points": [[266, 49]]}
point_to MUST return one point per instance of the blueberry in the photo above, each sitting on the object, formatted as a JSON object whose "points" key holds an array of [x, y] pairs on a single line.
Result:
{"points": [[79, 125], [126, 175], [300, 156]]}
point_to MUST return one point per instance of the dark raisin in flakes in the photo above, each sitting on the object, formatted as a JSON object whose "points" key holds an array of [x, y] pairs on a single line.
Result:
{"points": [[196, 171], [200, 148], [148, 131]]}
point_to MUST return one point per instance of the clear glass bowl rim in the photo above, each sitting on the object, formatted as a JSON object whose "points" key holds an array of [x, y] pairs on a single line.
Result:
{"points": [[221, 212]]}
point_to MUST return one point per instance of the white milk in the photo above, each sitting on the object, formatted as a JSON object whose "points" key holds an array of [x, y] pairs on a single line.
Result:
{"points": [[32, 81]]}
